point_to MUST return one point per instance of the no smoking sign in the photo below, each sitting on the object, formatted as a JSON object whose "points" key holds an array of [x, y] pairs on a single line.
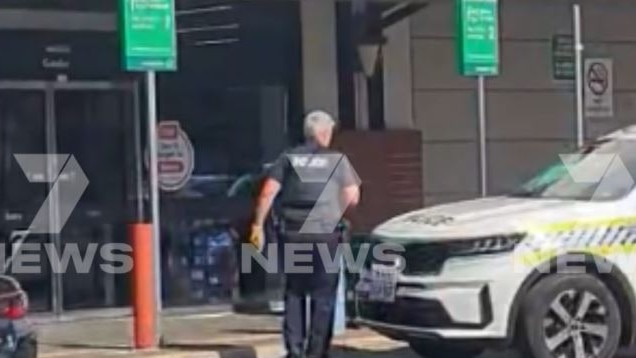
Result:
{"points": [[597, 78], [599, 92]]}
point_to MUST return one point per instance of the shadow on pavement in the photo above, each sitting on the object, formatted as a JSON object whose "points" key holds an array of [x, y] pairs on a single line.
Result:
{"points": [[405, 352], [346, 352], [252, 331], [225, 351], [86, 346]]}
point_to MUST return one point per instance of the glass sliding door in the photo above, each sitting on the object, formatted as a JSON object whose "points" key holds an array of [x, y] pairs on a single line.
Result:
{"points": [[95, 126], [23, 130], [90, 126]]}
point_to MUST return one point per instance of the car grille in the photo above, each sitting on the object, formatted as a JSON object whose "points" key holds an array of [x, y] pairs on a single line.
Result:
{"points": [[420, 258], [425, 259], [421, 313], [407, 312]]}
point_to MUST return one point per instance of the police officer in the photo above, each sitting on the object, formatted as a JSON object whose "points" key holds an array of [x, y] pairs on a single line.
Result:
{"points": [[314, 186]]}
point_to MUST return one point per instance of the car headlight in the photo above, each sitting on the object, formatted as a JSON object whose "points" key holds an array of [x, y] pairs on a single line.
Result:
{"points": [[485, 245]]}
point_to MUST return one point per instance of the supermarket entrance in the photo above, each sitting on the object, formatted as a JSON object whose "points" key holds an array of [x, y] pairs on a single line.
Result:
{"points": [[92, 123]]}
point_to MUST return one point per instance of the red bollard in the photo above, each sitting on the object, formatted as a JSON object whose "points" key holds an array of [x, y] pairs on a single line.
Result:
{"points": [[143, 290]]}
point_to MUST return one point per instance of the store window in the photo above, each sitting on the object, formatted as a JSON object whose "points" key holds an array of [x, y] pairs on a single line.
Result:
{"points": [[231, 133]]}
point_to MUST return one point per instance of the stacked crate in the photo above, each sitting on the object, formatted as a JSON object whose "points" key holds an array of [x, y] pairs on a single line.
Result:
{"points": [[212, 265]]}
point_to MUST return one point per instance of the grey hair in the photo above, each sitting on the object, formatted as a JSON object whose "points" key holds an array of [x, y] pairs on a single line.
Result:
{"points": [[317, 121]]}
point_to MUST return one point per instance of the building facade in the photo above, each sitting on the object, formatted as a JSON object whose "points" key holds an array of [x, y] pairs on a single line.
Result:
{"points": [[248, 70], [63, 91], [531, 115]]}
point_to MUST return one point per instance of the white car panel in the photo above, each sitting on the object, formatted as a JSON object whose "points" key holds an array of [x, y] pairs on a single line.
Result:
{"points": [[548, 229]]}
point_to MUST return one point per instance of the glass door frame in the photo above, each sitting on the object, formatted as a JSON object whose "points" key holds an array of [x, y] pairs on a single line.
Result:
{"points": [[49, 88]]}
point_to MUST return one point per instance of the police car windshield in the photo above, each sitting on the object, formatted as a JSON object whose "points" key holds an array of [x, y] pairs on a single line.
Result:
{"points": [[601, 171]]}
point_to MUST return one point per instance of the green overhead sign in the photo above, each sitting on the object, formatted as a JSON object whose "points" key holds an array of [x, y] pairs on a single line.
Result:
{"points": [[478, 37], [148, 33]]}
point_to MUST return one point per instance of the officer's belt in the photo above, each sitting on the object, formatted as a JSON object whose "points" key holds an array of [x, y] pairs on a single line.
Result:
{"points": [[295, 214]]}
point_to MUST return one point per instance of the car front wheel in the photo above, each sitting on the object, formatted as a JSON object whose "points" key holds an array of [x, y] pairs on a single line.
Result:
{"points": [[570, 316]]}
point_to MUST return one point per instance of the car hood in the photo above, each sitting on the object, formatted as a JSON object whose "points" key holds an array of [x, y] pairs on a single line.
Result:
{"points": [[489, 216]]}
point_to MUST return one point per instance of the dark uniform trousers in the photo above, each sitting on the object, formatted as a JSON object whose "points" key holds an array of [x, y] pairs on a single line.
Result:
{"points": [[319, 287]]}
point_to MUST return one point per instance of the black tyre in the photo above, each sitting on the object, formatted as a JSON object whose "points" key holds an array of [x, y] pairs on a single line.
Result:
{"points": [[570, 316], [27, 348], [435, 349]]}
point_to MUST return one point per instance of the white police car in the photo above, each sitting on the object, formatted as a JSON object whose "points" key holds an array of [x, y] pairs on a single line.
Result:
{"points": [[550, 269]]}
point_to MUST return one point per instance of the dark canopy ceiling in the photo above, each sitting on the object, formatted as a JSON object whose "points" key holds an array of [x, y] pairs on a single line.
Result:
{"points": [[80, 5], [95, 5]]}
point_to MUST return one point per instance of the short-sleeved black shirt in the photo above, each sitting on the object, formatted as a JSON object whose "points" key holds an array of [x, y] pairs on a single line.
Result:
{"points": [[312, 179]]}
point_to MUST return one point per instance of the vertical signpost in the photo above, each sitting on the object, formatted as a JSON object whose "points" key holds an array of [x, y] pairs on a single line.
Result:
{"points": [[149, 44], [478, 56], [578, 58]]}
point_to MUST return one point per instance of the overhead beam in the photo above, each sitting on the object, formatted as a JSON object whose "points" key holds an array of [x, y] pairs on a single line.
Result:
{"points": [[401, 12], [21, 19]]}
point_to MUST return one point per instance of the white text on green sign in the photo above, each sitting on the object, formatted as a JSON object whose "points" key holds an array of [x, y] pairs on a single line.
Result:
{"points": [[478, 37], [148, 35]]}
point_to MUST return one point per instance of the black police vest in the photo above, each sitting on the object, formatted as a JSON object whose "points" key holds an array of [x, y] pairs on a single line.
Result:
{"points": [[311, 186]]}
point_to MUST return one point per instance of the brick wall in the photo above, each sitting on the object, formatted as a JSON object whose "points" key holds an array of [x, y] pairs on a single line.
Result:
{"points": [[389, 164]]}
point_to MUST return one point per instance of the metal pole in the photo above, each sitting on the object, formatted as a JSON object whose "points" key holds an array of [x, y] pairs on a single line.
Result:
{"points": [[139, 156], [151, 92], [340, 319], [483, 163], [362, 101], [578, 50], [57, 285]]}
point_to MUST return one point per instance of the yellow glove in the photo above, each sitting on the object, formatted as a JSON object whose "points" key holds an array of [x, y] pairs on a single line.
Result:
{"points": [[257, 236]]}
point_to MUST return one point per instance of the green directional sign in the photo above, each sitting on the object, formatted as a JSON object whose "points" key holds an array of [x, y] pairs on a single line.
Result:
{"points": [[148, 34], [478, 37], [563, 58]]}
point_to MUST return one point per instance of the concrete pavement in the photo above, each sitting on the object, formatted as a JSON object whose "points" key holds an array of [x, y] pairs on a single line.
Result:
{"points": [[223, 335], [185, 336]]}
